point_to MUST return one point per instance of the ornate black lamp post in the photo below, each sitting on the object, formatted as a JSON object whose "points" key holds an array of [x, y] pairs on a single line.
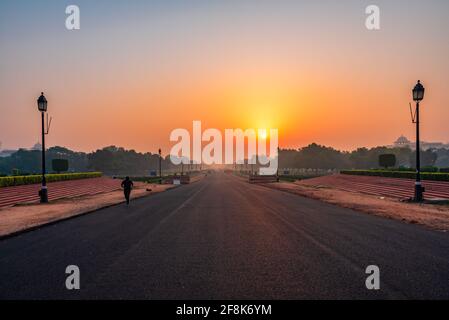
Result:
{"points": [[42, 106], [418, 95], [160, 166]]}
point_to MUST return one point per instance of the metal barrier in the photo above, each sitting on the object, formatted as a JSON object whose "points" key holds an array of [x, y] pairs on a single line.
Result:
{"points": [[184, 179], [263, 179]]}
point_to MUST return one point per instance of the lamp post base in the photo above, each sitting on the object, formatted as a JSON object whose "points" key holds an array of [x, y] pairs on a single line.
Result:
{"points": [[419, 190], [43, 194]]}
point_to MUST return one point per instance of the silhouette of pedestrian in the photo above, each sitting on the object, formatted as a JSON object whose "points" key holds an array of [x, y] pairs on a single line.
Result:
{"points": [[127, 185]]}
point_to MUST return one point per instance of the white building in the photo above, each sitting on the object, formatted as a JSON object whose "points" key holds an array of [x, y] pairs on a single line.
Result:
{"points": [[37, 146], [403, 142], [7, 152]]}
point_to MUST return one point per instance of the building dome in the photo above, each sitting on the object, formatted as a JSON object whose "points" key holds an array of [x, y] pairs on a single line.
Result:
{"points": [[402, 140], [37, 146]]}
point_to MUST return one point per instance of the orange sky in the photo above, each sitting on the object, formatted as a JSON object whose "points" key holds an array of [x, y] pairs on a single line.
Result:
{"points": [[316, 76]]}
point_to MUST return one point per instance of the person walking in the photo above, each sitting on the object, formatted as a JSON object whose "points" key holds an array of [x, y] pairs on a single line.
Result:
{"points": [[127, 186]]}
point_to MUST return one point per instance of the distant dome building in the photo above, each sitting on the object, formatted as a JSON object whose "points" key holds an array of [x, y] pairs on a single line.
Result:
{"points": [[402, 142], [37, 147]]}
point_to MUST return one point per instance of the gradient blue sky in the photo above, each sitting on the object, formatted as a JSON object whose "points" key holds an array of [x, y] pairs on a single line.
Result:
{"points": [[138, 69]]}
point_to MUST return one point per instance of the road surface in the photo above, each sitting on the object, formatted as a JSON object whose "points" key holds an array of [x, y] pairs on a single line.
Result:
{"points": [[222, 238]]}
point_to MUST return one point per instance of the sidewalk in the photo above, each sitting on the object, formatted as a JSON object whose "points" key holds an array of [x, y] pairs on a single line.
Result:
{"points": [[16, 219]]}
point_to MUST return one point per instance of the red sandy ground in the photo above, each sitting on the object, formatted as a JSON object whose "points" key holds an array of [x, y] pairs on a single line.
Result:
{"points": [[57, 190], [387, 187], [335, 190]]}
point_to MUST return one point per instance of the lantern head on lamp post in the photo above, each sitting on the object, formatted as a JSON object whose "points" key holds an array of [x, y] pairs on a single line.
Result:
{"points": [[42, 107], [418, 92], [418, 96], [42, 103]]}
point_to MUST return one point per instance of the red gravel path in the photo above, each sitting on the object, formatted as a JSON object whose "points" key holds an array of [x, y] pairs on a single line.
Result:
{"points": [[388, 187], [57, 190]]}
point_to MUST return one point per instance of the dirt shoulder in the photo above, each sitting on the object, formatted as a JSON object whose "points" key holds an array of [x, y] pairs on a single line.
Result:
{"points": [[19, 218], [432, 216]]}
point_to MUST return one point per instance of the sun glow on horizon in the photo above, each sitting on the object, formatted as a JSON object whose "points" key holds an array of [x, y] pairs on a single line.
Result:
{"points": [[262, 134]]}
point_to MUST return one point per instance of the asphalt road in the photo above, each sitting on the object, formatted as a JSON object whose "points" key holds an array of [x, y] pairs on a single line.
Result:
{"points": [[222, 238]]}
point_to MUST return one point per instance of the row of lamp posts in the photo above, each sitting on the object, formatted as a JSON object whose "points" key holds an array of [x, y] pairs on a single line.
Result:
{"points": [[418, 96], [43, 192]]}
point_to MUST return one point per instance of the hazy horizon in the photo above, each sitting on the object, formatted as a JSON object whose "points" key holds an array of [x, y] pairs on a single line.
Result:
{"points": [[166, 152]]}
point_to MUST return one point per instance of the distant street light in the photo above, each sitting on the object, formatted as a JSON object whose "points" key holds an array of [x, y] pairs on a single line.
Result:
{"points": [[160, 166], [418, 95], [42, 107]]}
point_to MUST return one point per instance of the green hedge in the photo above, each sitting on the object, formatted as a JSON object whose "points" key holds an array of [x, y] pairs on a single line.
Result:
{"points": [[293, 178], [151, 179], [32, 179], [437, 176]]}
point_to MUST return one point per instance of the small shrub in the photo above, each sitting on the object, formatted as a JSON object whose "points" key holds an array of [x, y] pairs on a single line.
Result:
{"points": [[429, 169], [387, 160], [60, 165], [408, 169]]}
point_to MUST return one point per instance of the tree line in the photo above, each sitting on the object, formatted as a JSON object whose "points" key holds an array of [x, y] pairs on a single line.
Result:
{"points": [[110, 160], [316, 156], [114, 160]]}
